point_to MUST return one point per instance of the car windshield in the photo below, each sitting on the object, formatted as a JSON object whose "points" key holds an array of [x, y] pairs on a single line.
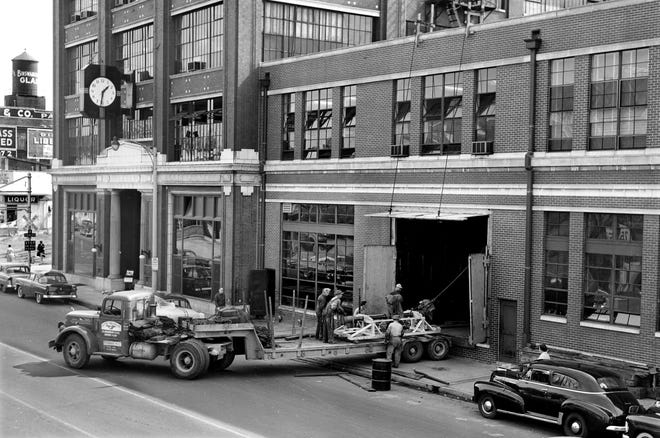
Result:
{"points": [[54, 278], [18, 270], [610, 383]]}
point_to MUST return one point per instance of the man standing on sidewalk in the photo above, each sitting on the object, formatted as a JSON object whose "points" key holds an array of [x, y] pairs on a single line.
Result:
{"points": [[393, 340]]}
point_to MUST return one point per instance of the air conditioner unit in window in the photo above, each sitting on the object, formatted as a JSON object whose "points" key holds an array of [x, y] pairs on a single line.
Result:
{"points": [[400, 150], [196, 65], [482, 147], [144, 76], [86, 14], [74, 18]]}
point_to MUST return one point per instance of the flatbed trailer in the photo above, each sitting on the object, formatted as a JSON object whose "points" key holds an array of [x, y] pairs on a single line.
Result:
{"points": [[203, 344]]}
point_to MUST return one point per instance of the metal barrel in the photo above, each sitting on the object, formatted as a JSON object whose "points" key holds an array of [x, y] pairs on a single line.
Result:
{"points": [[381, 374]]}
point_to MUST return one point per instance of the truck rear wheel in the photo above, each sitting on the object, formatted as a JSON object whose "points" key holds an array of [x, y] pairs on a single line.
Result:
{"points": [[437, 349], [187, 360], [222, 364], [204, 354], [75, 352]]}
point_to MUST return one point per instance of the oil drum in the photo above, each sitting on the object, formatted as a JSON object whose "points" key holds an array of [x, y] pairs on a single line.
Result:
{"points": [[381, 374]]}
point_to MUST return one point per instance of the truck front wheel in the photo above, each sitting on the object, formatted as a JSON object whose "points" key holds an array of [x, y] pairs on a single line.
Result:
{"points": [[186, 361], [75, 352]]}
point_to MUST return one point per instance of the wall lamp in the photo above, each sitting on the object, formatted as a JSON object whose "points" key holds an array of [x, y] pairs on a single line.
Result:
{"points": [[97, 248], [144, 254]]}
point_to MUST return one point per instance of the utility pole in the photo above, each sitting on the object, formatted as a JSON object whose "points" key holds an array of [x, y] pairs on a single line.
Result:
{"points": [[29, 213]]}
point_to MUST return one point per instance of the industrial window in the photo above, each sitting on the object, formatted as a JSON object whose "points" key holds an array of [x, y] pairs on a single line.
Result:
{"points": [[318, 124], [619, 111], [291, 30], [77, 59], [562, 78], [485, 104], [288, 126], [613, 269], [118, 3], [349, 119], [198, 130], [555, 287], [82, 9], [140, 126], [401, 139], [443, 112], [85, 254], [199, 39], [197, 245], [82, 145], [317, 252], [134, 51]]}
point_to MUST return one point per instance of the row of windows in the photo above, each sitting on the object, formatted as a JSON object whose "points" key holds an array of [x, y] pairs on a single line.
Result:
{"points": [[612, 267]]}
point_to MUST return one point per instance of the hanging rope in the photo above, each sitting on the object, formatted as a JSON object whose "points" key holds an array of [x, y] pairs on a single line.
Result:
{"points": [[450, 284]]}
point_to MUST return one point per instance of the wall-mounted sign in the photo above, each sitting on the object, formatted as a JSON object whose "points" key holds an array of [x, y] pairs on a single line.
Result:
{"points": [[20, 199], [25, 113], [40, 144], [7, 138]]}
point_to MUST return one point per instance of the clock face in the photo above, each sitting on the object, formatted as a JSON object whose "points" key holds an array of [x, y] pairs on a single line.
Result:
{"points": [[102, 91]]}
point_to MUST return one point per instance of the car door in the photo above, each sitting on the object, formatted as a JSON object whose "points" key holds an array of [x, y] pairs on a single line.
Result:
{"points": [[533, 389], [28, 289], [562, 387], [113, 336]]}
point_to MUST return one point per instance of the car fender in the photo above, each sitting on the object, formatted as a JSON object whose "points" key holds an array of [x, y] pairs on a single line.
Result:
{"points": [[504, 396], [87, 335], [596, 417]]}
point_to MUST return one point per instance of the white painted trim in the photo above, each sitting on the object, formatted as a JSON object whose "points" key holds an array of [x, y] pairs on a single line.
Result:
{"points": [[483, 346], [129, 26], [550, 318], [657, 334], [331, 6], [81, 41], [190, 98], [192, 7], [609, 327]]}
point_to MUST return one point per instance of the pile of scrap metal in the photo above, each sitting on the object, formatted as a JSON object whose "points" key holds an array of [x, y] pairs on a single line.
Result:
{"points": [[155, 328], [366, 328]]}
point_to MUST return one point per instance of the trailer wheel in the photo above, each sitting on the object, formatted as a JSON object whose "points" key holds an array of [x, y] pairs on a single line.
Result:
{"points": [[75, 351], [412, 351], [223, 364], [437, 349], [186, 361]]}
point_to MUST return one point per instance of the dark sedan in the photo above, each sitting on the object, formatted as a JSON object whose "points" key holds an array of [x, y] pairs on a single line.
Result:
{"points": [[45, 286], [9, 272], [586, 400], [644, 426]]}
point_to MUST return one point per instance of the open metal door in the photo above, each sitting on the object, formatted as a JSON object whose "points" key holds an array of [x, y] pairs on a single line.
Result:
{"points": [[478, 274], [379, 275]]}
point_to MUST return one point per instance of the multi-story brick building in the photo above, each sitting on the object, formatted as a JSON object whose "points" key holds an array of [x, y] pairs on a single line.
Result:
{"points": [[505, 168]]}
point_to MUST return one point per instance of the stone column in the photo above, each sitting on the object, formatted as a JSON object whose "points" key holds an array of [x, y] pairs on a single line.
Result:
{"points": [[114, 251], [144, 232]]}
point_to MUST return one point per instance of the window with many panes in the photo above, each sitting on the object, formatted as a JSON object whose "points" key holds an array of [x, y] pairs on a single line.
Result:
{"points": [[199, 39], [349, 119], [198, 130], [442, 113], [485, 104], [134, 52], [139, 126], [82, 145], [401, 138], [555, 286], [288, 126], [619, 112], [613, 268], [317, 252], [562, 78], [77, 59], [291, 30], [317, 137], [82, 9]]}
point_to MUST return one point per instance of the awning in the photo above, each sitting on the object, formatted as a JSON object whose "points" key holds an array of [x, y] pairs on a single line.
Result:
{"points": [[430, 215]]}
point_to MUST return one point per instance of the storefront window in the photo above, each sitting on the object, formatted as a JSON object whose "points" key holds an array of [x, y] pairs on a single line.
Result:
{"points": [[84, 252], [197, 246]]}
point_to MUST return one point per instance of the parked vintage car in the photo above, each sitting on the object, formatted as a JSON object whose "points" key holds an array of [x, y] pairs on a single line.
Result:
{"points": [[45, 286], [586, 400], [644, 426], [176, 307], [9, 272]]}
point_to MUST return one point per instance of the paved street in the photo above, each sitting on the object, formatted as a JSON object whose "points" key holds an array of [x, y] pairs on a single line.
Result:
{"points": [[273, 399]]}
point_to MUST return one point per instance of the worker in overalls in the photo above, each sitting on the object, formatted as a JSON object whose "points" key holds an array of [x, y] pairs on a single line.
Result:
{"points": [[321, 302], [393, 339], [334, 316]]}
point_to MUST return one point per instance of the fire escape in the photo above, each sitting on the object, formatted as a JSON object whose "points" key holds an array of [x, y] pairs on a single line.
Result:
{"points": [[443, 14]]}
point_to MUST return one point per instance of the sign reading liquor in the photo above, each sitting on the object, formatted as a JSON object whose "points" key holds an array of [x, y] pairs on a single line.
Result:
{"points": [[7, 138], [40, 144], [25, 113], [20, 199]]}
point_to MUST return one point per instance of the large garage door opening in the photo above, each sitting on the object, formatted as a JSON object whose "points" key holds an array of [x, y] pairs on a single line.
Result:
{"points": [[433, 255]]}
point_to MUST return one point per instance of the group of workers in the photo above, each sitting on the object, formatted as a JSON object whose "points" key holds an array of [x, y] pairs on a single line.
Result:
{"points": [[329, 315]]}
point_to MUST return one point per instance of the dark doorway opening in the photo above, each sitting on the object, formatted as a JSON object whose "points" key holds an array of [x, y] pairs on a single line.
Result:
{"points": [[130, 232], [431, 254]]}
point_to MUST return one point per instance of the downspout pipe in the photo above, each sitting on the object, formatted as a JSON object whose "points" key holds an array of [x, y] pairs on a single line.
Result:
{"points": [[264, 85], [533, 44]]}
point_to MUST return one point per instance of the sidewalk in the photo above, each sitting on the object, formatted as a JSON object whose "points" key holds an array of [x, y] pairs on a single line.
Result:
{"points": [[452, 377]]}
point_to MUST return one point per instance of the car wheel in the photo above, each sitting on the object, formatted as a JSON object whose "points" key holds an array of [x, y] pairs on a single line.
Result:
{"points": [[75, 352], [643, 435], [38, 298], [412, 351], [575, 425], [487, 406], [186, 361], [437, 349], [19, 292]]}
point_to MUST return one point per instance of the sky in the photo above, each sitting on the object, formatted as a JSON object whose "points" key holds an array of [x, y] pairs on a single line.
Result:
{"points": [[27, 25]]}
